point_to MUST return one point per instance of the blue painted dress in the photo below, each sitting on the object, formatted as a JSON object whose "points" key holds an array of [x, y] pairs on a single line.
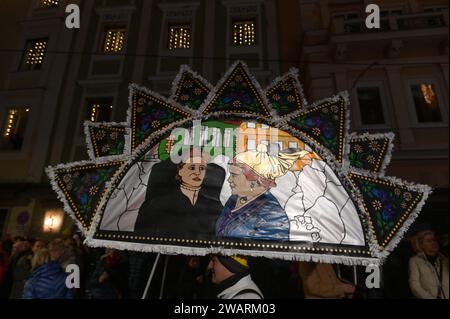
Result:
{"points": [[261, 218]]}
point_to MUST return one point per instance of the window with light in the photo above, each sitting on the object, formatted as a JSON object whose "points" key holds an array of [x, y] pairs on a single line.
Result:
{"points": [[48, 3], [179, 37], [114, 40], [244, 33], [14, 128], [34, 54], [426, 103], [100, 110]]}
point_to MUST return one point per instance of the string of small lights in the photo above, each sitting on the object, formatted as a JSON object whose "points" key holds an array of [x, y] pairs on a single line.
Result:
{"points": [[114, 40], [35, 53], [48, 3], [96, 109], [13, 120], [197, 57], [244, 33], [179, 37]]}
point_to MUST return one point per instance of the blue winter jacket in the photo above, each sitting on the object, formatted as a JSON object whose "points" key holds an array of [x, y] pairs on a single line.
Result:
{"points": [[47, 282]]}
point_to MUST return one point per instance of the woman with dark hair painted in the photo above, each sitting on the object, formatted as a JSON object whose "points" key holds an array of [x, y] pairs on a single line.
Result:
{"points": [[182, 200]]}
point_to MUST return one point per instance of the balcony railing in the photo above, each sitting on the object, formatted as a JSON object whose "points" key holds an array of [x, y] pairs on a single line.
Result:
{"points": [[393, 23]]}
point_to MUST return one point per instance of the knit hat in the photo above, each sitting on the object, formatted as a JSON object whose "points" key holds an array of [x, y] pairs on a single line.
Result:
{"points": [[235, 264]]}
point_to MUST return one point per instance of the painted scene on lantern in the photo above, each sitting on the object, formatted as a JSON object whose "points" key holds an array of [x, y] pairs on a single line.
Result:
{"points": [[234, 180]]}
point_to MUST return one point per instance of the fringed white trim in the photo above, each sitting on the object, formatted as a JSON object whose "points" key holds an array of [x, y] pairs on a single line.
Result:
{"points": [[335, 98], [50, 171], [293, 74], [98, 160], [89, 138], [388, 155], [132, 88], [127, 145], [107, 124], [251, 117], [425, 190], [346, 139], [341, 170], [196, 251], [176, 82], [109, 187], [140, 149], [116, 179], [371, 137], [136, 88], [225, 77], [325, 152], [369, 230], [299, 85], [327, 158]]}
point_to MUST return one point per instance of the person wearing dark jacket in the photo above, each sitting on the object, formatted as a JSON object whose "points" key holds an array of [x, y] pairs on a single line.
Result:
{"points": [[109, 279], [21, 269], [191, 280], [139, 265], [47, 280]]}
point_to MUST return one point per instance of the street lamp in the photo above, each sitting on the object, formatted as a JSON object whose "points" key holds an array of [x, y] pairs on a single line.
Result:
{"points": [[52, 221]]}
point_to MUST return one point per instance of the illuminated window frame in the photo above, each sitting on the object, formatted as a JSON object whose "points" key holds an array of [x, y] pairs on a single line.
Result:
{"points": [[429, 92], [47, 4], [94, 106], [179, 36], [244, 32], [439, 88], [12, 124], [34, 54], [114, 39]]}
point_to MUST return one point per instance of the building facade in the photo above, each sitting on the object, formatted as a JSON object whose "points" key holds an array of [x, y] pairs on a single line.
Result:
{"points": [[53, 78], [406, 92]]}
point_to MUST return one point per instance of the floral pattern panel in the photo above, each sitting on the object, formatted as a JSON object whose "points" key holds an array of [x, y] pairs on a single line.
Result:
{"points": [[151, 114], [387, 204], [107, 140], [368, 154], [83, 188], [238, 95], [190, 92], [324, 124], [285, 97], [381, 209]]}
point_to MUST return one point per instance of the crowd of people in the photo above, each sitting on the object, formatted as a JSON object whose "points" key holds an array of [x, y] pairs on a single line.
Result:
{"points": [[35, 269]]}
